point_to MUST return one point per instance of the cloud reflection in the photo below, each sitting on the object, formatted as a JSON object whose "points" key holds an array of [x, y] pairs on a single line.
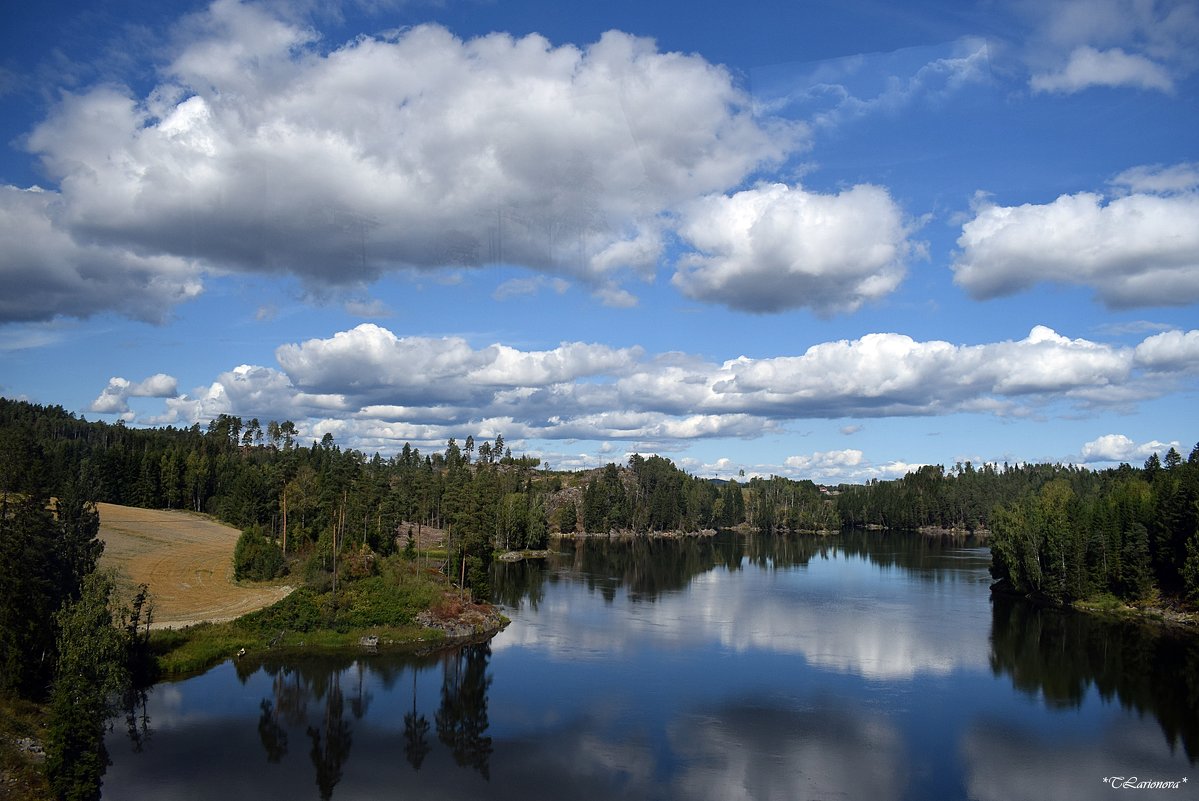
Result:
{"points": [[887, 634], [750, 752], [1008, 763]]}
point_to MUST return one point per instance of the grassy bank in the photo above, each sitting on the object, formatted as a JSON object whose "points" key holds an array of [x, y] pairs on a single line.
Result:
{"points": [[404, 605], [1152, 611]]}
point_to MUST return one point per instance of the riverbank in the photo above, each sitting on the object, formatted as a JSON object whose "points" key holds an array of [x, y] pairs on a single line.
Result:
{"points": [[1154, 614], [630, 534], [297, 623], [1108, 607]]}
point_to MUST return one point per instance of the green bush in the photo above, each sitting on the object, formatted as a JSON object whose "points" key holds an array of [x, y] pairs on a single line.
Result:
{"points": [[257, 558], [299, 611]]}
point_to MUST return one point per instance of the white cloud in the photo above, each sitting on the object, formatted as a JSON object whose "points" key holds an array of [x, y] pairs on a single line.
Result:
{"points": [[817, 462], [1142, 44], [1090, 67], [1119, 448], [1170, 351], [377, 389], [892, 374], [1141, 249], [777, 247], [114, 399], [1159, 179], [258, 152], [370, 360]]}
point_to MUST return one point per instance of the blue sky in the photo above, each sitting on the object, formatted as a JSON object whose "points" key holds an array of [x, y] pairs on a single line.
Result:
{"points": [[815, 239]]}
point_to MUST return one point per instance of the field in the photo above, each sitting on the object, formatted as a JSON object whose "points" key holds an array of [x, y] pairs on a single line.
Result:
{"points": [[187, 561]]}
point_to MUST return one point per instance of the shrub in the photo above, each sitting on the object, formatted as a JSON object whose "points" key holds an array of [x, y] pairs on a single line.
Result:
{"points": [[257, 558]]}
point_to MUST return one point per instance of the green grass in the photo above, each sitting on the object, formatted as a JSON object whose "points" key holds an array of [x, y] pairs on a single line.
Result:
{"points": [[26, 778], [385, 605], [1106, 602]]}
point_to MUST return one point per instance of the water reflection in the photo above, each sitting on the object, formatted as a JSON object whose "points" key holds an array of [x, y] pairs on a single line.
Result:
{"points": [[744, 751], [462, 716], [1059, 656], [320, 702], [868, 667], [416, 733], [649, 568], [1006, 761], [757, 594]]}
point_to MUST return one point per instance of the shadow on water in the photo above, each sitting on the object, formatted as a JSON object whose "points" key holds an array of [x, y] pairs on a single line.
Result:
{"points": [[1060, 655]]}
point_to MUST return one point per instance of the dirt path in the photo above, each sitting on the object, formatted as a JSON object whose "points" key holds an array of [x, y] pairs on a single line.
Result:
{"points": [[186, 559]]}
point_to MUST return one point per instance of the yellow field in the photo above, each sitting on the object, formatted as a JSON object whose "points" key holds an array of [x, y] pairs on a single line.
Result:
{"points": [[187, 561]]}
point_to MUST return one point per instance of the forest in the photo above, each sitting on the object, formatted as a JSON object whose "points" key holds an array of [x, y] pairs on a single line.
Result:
{"points": [[1057, 532]]}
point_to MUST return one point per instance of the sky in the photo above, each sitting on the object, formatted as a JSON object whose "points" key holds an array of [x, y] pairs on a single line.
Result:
{"points": [[828, 240]]}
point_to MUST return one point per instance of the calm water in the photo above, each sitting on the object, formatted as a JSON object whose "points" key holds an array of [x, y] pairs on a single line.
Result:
{"points": [[857, 667]]}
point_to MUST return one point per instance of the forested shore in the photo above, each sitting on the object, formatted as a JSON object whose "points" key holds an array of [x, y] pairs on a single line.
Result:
{"points": [[1061, 533]]}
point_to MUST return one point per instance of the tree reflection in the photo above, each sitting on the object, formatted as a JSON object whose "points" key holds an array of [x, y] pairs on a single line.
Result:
{"points": [[416, 733], [331, 740], [320, 698], [1061, 654], [271, 733], [137, 718], [462, 716], [515, 582], [293, 688]]}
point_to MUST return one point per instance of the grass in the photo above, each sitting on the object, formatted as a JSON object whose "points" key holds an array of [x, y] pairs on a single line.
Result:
{"points": [[22, 777]]}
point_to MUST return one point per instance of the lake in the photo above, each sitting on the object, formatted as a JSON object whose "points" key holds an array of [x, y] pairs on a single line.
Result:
{"points": [[860, 666]]}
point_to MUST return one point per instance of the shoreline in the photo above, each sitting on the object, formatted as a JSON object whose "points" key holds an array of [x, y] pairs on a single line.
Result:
{"points": [[192, 650], [1113, 609]]}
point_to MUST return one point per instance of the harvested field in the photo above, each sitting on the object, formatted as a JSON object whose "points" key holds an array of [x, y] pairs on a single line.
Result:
{"points": [[187, 561]]}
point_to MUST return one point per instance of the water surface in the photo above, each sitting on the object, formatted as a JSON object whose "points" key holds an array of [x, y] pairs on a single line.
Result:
{"points": [[862, 666]]}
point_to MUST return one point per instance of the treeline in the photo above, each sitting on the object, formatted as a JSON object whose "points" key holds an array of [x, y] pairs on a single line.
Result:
{"points": [[962, 498], [1128, 533], [262, 479], [321, 501]]}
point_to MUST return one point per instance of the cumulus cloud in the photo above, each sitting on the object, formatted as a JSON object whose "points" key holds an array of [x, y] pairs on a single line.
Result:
{"points": [[818, 461], [1141, 249], [1170, 351], [1119, 448], [778, 247], [370, 357], [257, 152], [848, 465], [374, 389], [114, 398]]}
